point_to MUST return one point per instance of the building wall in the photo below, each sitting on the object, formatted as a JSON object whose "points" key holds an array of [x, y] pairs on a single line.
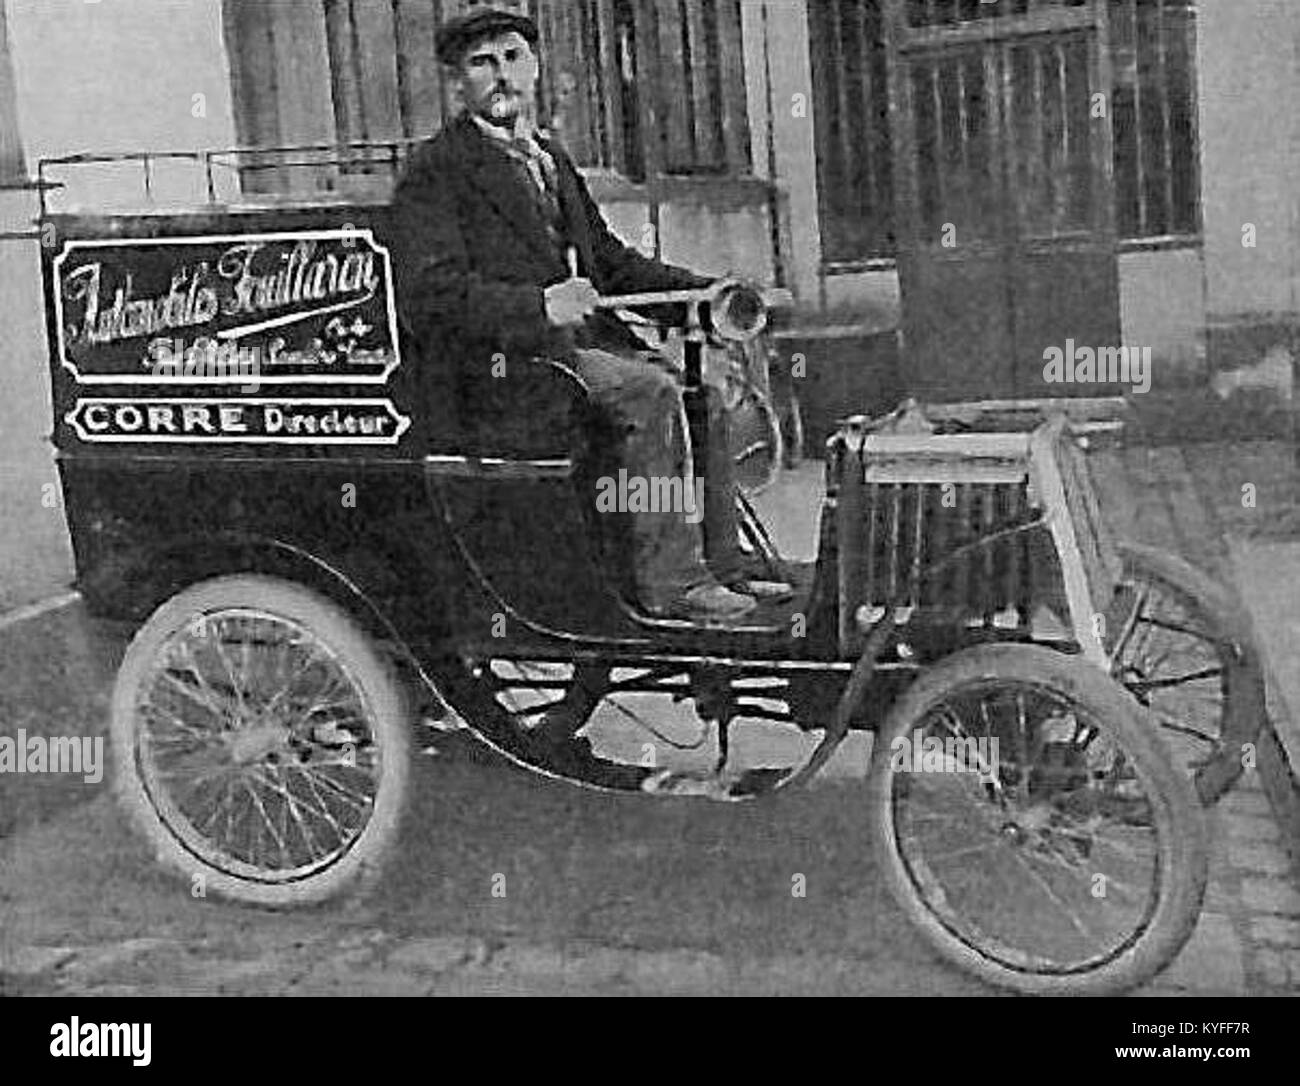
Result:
{"points": [[778, 43], [34, 557], [1198, 308], [1250, 131], [135, 75], [116, 75], [726, 227], [122, 75], [1162, 306]]}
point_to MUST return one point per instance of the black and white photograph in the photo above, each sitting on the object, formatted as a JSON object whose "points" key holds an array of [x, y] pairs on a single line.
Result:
{"points": [[650, 498]]}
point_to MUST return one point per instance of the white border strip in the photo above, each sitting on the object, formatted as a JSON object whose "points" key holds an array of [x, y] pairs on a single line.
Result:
{"points": [[400, 421], [36, 610], [340, 234]]}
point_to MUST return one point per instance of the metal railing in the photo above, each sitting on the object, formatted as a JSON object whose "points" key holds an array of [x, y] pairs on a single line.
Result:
{"points": [[25, 184], [242, 162], [355, 159]]}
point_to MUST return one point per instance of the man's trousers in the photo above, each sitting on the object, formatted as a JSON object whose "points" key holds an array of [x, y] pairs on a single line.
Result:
{"points": [[642, 399]]}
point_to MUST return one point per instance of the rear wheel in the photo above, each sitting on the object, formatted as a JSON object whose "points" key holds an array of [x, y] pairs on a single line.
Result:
{"points": [[1189, 658], [753, 429], [1030, 825], [260, 741]]}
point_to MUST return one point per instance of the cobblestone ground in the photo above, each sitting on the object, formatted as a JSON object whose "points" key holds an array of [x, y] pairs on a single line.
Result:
{"points": [[1189, 500], [607, 897]]}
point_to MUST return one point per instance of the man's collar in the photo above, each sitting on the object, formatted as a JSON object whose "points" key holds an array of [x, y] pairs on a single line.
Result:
{"points": [[524, 131]]}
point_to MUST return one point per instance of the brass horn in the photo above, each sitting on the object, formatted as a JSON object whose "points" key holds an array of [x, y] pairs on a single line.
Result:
{"points": [[730, 309], [737, 312]]}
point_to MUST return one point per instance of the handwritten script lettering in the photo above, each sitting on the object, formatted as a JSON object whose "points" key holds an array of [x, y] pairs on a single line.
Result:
{"points": [[248, 280]]}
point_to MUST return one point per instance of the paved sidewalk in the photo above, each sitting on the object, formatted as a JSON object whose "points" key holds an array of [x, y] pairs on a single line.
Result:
{"points": [[1189, 500], [594, 878]]}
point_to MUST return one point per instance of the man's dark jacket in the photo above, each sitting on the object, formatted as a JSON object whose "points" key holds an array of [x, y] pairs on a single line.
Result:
{"points": [[474, 255]]}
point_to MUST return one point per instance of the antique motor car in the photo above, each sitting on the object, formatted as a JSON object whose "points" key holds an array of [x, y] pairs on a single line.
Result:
{"points": [[302, 530]]}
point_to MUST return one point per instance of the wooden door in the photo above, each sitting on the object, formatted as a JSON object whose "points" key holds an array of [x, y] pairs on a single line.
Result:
{"points": [[1006, 240]]}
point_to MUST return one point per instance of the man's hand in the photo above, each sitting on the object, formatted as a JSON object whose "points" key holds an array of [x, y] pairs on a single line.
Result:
{"points": [[571, 302]]}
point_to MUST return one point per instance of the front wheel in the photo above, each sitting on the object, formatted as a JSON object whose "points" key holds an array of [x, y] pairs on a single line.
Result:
{"points": [[260, 742], [1031, 827]]}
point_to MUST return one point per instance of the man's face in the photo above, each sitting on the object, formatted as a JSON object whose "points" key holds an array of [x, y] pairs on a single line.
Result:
{"points": [[499, 77]]}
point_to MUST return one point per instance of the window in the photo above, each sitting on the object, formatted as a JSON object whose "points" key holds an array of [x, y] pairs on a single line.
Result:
{"points": [[1153, 49], [385, 81], [854, 147], [648, 86], [936, 13], [591, 82], [637, 87]]}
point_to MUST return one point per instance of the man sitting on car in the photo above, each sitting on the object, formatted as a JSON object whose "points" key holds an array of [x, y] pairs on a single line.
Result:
{"points": [[501, 251]]}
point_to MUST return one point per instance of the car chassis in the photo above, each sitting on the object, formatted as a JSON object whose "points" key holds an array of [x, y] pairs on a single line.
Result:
{"points": [[288, 543]]}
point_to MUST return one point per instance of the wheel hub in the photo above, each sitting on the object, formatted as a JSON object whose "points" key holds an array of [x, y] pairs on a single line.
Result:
{"points": [[258, 743], [1027, 822]]}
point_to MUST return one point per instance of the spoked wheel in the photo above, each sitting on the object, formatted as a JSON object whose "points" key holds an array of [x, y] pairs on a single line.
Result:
{"points": [[754, 430], [260, 741], [1067, 858], [650, 729], [1189, 658], [756, 540], [756, 440]]}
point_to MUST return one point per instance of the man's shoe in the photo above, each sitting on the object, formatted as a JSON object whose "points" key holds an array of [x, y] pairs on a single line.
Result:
{"points": [[768, 591], [713, 603]]}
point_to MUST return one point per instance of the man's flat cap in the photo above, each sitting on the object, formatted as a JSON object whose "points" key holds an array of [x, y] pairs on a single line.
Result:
{"points": [[476, 21]]}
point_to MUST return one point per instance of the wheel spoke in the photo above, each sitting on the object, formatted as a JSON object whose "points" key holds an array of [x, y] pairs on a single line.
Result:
{"points": [[230, 819], [194, 694], [261, 810], [324, 807], [949, 819], [1171, 723], [192, 734], [231, 797], [217, 808], [965, 882], [288, 683], [968, 850], [324, 701], [1180, 664], [1145, 685], [1023, 728], [1158, 653], [1043, 884], [357, 800], [218, 641], [1055, 859], [214, 697], [1175, 627]]}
